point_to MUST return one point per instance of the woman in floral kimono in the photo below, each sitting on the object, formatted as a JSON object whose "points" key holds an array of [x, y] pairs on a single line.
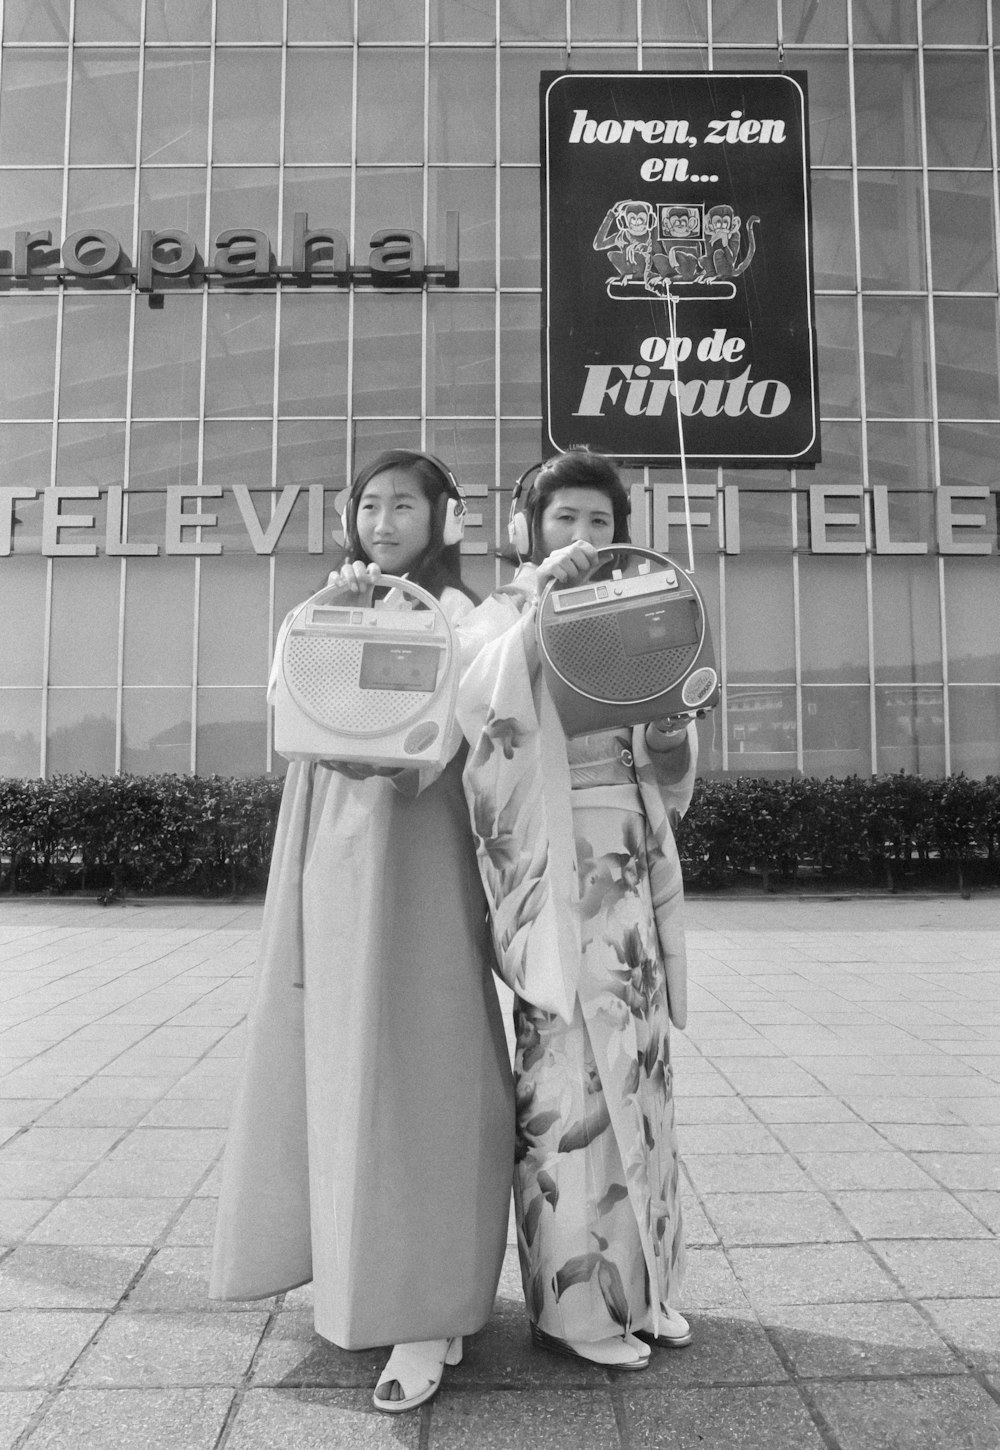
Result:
{"points": [[373, 1135], [580, 866]]}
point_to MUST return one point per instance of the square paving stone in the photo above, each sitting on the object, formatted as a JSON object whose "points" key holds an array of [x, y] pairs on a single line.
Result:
{"points": [[986, 1207], [196, 1225], [18, 1215], [91, 1112], [37, 1348], [972, 1325], [910, 1215], [545, 1420], [125, 1178], [171, 1349], [202, 1145], [710, 1110], [697, 1229], [710, 1284], [40, 1177], [887, 1168], [811, 1274], [43, 1142], [832, 1341], [945, 1269], [776, 1218], [42, 1276], [320, 1420], [922, 1414], [177, 1279], [748, 1173], [106, 1221], [962, 1170], [726, 1349], [133, 1420], [729, 1138], [821, 1109], [830, 1138], [16, 1409], [730, 1418]]}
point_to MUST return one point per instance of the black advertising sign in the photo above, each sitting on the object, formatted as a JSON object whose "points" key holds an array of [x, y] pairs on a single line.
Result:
{"points": [[677, 270]]}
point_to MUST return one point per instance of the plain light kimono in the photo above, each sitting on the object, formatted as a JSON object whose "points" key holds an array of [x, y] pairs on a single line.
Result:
{"points": [[578, 858], [372, 1138]]}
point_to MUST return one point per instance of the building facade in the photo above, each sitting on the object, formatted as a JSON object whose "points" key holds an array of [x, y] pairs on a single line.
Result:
{"points": [[168, 459]]}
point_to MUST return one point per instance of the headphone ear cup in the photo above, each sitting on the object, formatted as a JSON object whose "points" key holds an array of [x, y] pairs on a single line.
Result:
{"points": [[454, 523], [519, 534]]}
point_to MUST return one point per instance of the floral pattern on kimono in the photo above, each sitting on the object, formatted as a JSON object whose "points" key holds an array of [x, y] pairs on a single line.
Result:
{"points": [[596, 1190]]}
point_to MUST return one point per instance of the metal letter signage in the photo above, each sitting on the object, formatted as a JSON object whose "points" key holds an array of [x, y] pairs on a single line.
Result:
{"points": [[677, 269]]}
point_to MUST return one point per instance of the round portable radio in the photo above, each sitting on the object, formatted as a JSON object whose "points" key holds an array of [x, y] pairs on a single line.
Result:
{"points": [[629, 646], [365, 684]]}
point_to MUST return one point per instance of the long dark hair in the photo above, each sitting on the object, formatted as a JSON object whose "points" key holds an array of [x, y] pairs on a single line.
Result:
{"points": [[578, 468], [440, 565]]}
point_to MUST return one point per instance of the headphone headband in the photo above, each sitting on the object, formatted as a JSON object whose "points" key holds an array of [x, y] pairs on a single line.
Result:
{"points": [[518, 523], [455, 511]]}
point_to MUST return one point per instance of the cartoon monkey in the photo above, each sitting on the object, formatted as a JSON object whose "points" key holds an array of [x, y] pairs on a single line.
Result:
{"points": [[722, 243], [628, 229]]}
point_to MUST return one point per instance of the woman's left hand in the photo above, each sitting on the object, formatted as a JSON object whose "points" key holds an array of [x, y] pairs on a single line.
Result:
{"points": [[569, 565]]}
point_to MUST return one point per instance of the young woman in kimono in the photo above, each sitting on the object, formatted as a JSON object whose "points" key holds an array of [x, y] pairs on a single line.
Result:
{"points": [[580, 866], [372, 1140]]}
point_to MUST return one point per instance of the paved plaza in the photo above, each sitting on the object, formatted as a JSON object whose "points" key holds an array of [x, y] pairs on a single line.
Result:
{"points": [[838, 1092]]}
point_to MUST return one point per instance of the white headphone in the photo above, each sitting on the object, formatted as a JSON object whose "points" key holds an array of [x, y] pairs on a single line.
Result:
{"points": [[518, 526]]}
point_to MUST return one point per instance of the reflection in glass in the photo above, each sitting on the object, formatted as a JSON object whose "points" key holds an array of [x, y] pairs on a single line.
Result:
{"points": [[742, 20], [372, 435], [159, 621], [961, 208], [958, 109], [156, 731], [178, 20], [760, 642], [105, 97], [954, 22], [163, 454], [233, 646], [390, 132], [886, 106], [520, 248], [31, 201], [909, 725], [891, 212], [969, 452], [965, 334], [521, 375], [27, 20], [318, 106], [761, 727], [107, 20], [390, 197], [459, 20], [884, 21], [102, 198], [901, 455], [519, 75], [27, 356], [677, 20], [320, 20], [237, 452], [896, 357], [906, 619], [833, 620], [972, 605], [829, 105], [94, 356], [26, 454], [533, 20], [20, 732], [166, 368], [602, 20], [312, 363], [172, 198], [837, 347], [240, 355], [81, 731], [311, 450], [387, 348], [974, 729], [33, 107], [460, 354], [462, 106], [248, 20], [471, 193], [83, 647], [833, 229], [22, 609], [90, 453], [765, 519], [232, 732], [247, 105], [175, 106], [836, 731], [805, 21]]}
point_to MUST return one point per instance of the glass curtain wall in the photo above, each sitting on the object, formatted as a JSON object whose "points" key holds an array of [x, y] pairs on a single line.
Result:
{"points": [[129, 115]]}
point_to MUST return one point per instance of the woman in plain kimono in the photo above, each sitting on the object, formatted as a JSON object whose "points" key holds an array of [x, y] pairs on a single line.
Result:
{"points": [[373, 1135], [578, 857]]}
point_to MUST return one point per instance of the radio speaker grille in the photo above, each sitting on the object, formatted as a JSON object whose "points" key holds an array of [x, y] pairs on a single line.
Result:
{"points": [[322, 675], [588, 654]]}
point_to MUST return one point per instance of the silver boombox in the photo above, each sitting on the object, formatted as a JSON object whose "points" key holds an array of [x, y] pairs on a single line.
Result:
{"points": [[629, 646], [366, 685]]}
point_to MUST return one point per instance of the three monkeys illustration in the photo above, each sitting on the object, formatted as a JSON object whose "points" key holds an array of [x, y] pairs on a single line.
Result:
{"points": [[652, 249]]}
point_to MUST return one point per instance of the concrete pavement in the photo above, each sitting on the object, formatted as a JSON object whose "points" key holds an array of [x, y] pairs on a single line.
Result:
{"points": [[839, 1102]]}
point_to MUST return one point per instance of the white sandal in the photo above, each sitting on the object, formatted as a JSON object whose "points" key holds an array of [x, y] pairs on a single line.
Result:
{"points": [[619, 1351], [415, 1370]]}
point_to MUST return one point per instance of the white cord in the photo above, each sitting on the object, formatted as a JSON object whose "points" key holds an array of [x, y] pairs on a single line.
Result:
{"points": [[672, 314]]}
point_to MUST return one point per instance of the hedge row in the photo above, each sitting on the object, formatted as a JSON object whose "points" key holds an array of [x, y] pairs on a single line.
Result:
{"points": [[212, 835]]}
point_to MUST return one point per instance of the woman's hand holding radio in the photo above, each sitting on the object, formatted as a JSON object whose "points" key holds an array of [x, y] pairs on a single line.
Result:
{"points": [[569, 565], [666, 734], [356, 578]]}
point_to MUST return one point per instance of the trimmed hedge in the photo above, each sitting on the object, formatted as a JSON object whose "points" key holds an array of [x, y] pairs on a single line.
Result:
{"points": [[212, 835]]}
